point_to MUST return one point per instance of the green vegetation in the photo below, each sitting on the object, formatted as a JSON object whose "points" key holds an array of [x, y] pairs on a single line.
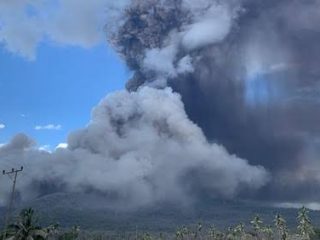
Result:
{"points": [[26, 227], [305, 228]]}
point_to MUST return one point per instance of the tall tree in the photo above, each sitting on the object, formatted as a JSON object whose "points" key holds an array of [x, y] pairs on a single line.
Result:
{"points": [[281, 226], [305, 228], [26, 227]]}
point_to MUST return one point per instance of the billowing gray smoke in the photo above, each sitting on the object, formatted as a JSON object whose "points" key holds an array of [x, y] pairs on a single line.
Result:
{"points": [[214, 82], [248, 73], [139, 148]]}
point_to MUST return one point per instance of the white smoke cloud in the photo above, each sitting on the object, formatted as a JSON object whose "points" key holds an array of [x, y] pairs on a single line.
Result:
{"points": [[161, 60], [310, 205], [139, 145], [25, 23], [185, 65], [2, 126], [208, 23], [211, 28]]}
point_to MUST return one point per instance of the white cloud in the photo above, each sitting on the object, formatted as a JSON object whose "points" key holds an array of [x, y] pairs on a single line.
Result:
{"points": [[2, 126], [25, 23], [48, 127], [46, 148], [62, 146]]}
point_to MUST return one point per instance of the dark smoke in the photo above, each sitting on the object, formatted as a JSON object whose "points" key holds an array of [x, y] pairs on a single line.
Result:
{"points": [[255, 89], [223, 103]]}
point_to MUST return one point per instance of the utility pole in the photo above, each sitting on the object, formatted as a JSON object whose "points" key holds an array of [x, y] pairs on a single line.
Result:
{"points": [[14, 173]]}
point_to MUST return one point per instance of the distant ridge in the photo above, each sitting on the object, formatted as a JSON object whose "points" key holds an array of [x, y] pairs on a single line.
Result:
{"points": [[93, 213]]}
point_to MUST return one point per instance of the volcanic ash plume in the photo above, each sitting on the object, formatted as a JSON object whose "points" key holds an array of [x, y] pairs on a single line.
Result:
{"points": [[214, 82], [248, 74], [140, 147]]}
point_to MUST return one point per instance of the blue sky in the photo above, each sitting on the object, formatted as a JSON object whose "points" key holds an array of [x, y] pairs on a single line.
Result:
{"points": [[59, 87]]}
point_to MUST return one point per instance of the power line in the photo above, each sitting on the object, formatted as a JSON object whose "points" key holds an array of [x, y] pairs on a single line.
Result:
{"points": [[14, 173]]}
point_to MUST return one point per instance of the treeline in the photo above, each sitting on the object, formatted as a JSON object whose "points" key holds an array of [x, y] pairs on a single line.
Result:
{"points": [[26, 227]]}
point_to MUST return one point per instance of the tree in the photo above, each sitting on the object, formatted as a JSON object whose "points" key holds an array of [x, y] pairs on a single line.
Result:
{"points": [[146, 236], [257, 225], [239, 231], [182, 233], [26, 227], [72, 234], [236, 233], [305, 228], [267, 232], [197, 233], [215, 234], [281, 227]]}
